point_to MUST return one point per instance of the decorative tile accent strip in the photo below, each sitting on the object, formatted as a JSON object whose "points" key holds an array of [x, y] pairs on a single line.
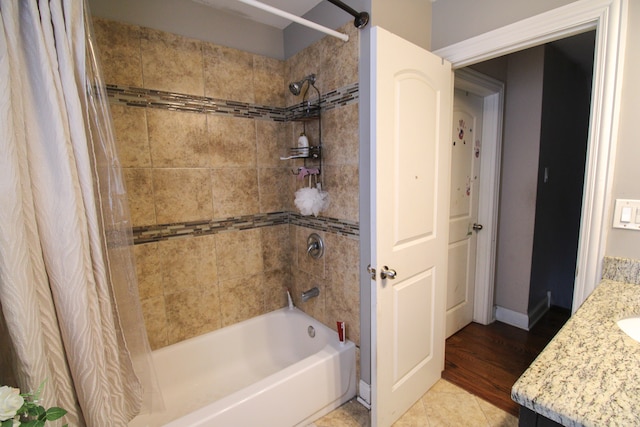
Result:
{"points": [[156, 233], [330, 225], [139, 97]]}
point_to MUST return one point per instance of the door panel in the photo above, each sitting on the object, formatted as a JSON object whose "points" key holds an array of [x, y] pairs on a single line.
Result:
{"points": [[411, 297], [415, 163], [465, 172], [411, 124]]}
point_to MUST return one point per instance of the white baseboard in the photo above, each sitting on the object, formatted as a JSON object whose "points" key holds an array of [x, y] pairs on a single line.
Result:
{"points": [[539, 310], [364, 394], [524, 321], [512, 318]]}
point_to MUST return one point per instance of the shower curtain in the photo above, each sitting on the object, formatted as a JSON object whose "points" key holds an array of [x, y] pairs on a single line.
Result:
{"points": [[68, 290]]}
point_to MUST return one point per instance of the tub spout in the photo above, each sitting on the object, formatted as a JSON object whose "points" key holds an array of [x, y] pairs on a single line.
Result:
{"points": [[311, 293]]}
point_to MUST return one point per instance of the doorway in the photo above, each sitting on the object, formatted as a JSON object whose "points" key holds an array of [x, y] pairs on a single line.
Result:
{"points": [[481, 359], [542, 179]]}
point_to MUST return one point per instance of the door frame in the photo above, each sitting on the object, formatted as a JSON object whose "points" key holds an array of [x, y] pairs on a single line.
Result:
{"points": [[492, 93], [608, 18]]}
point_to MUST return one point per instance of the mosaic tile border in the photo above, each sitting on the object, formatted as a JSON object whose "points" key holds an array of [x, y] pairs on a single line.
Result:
{"points": [[329, 225], [156, 233], [140, 97]]}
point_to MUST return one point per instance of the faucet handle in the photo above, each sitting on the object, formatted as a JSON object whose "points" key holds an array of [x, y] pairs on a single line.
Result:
{"points": [[315, 246]]}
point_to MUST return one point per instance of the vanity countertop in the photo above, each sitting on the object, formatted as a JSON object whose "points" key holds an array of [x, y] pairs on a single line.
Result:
{"points": [[589, 374]]}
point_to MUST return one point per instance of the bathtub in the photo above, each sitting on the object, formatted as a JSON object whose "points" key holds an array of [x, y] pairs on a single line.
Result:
{"points": [[265, 371]]}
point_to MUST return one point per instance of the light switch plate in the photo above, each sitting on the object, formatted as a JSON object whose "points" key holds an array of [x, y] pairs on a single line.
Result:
{"points": [[627, 214]]}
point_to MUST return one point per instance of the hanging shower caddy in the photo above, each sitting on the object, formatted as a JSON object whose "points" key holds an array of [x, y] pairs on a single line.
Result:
{"points": [[308, 149], [311, 199]]}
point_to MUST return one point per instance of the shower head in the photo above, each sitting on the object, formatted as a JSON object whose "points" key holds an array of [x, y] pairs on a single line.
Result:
{"points": [[296, 87]]}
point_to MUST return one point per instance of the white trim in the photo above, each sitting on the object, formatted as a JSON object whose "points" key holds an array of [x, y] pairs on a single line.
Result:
{"points": [[364, 394], [512, 318], [492, 92], [609, 18], [539, 310]]}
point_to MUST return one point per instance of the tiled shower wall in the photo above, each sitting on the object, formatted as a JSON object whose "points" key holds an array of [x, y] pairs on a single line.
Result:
{"points": [[218, 239]]}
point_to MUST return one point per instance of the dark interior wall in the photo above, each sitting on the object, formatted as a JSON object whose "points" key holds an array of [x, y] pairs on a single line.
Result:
{"points": [[563, 143]]}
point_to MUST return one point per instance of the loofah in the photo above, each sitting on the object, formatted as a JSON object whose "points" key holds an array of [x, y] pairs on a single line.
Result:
{"points": [[311, 201]]}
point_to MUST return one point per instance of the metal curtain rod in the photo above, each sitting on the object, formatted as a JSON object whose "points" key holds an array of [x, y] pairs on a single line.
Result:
{"points": [[362, 18], [296, 18]]}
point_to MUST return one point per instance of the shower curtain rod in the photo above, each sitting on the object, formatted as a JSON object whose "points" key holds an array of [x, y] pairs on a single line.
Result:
{"points": [[295, 18]]}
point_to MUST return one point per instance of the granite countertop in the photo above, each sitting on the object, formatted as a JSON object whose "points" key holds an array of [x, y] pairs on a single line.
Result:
{"points": [[589, 374]]}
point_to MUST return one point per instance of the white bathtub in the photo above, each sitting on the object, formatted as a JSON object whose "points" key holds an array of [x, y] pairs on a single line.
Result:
{"points": [[265, 371]]}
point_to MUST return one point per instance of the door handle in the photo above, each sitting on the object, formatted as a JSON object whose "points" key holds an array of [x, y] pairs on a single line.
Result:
{"points": [[477, 227], [387, 273]]}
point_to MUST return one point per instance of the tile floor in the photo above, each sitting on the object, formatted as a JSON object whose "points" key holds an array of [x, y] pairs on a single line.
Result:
{"points": [[444, 404]]}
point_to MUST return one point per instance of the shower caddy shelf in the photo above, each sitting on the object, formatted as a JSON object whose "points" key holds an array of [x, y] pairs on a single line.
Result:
{"points": [[313, 152]]}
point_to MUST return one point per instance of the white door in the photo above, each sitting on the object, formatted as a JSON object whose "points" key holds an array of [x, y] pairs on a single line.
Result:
{"points": [[411, 159], [463, 215]]}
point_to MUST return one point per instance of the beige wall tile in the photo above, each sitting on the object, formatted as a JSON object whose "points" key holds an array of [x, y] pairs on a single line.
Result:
{"points": [[132, 142], [268, 81], [339, 60], [239, 253], [148, 270], [276, 283], [192, 313], [273, 140], [228, 73], [276, 192], [233, 141], [276, 254], [241, 299], [343, 284], [171, 62], [155, 321], [182, 195], [178, 139], [340, 139], [119, 51], [235, 191], [139, 184], [188, 263], [341, 182]]}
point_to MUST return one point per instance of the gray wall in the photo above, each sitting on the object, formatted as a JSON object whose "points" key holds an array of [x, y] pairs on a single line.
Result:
{"points": [[457, 20], [521, 145], [626, 185]]}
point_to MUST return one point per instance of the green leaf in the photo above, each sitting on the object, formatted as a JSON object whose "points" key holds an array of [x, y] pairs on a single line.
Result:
{"points": [[36, 411], [7, 423], [54, 413]]}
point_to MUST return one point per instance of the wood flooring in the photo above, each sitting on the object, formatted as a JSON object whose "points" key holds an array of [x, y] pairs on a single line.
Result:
{"points": [[486, 360]]}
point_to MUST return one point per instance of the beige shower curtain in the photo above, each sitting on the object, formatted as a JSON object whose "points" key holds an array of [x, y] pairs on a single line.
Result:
{"points": [[68, 291]]}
